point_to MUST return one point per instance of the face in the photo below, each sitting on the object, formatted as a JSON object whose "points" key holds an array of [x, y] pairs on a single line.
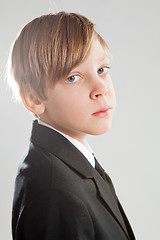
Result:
{"points": [[84, 102]]}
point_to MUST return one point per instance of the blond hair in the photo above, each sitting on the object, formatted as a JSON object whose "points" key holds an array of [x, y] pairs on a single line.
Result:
{"points": [[48, 48]]}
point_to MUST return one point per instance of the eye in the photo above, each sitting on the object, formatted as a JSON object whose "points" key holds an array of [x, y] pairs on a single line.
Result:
{"points": [[103, 70], [73, 79]]}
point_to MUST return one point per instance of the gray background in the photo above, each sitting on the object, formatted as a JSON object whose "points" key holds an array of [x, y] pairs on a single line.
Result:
{"points": [[129, 151]]}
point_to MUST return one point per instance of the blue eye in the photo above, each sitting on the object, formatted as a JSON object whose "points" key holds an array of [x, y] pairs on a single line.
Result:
{"points": [[103, 70], [73, 79]]}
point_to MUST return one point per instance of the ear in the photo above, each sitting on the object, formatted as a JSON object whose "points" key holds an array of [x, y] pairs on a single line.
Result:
{"points": [[33, 103]]}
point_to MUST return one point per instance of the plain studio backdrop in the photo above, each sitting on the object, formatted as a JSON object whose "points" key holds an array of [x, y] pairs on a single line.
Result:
{"points": [[129, 152]]}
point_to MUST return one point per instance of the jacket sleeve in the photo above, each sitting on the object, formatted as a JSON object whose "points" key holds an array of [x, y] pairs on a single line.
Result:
{"points": [[55, 215]]}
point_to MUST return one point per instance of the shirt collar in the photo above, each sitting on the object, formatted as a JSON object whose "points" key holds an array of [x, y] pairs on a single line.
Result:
{"points": [[84, 148]]}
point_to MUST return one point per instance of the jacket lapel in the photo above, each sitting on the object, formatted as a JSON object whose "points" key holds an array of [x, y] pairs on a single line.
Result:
{"points": [[107, 195], [66, 151]]}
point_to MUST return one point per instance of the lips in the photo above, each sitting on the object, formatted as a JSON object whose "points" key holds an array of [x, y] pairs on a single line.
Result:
{"points": [[103, 112]]}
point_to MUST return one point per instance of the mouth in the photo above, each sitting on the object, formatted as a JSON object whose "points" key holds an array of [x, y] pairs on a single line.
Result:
{"points": [[103, 112]]}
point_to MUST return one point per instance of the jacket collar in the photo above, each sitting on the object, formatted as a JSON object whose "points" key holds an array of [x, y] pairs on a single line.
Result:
{"points": [[58, 145]]}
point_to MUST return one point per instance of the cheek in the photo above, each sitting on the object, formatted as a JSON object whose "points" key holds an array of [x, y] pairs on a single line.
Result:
{"points": [[77, 106], [70, 106], [78, 109]]}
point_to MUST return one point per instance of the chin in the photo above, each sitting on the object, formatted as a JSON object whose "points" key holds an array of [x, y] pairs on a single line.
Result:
{"points": [[101, 129]]}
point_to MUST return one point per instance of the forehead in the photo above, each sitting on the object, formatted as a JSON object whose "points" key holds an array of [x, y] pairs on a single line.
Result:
{"points": [[98, 54]]}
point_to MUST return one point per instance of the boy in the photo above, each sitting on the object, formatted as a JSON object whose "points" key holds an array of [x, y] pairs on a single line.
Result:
{"points": [[60, 64]]}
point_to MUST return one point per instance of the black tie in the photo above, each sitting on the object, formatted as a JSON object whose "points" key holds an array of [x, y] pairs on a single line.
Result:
{"points": [[99, 169], [103, 174]]}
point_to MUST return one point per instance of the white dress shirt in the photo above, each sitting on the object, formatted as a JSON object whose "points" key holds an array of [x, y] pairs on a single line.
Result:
{"points": [[84, 148]]}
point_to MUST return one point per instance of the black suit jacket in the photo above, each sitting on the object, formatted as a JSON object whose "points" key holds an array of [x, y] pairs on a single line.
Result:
{"points": [[59, 195]]}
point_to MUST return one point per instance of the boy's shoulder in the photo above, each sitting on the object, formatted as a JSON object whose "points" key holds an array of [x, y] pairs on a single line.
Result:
{"points": [[38, 168], [40, 171], [34, 173], [51, 163]]}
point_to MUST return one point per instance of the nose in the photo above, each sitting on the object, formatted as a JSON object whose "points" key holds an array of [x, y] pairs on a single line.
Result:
{"points": [[99, 90]]}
